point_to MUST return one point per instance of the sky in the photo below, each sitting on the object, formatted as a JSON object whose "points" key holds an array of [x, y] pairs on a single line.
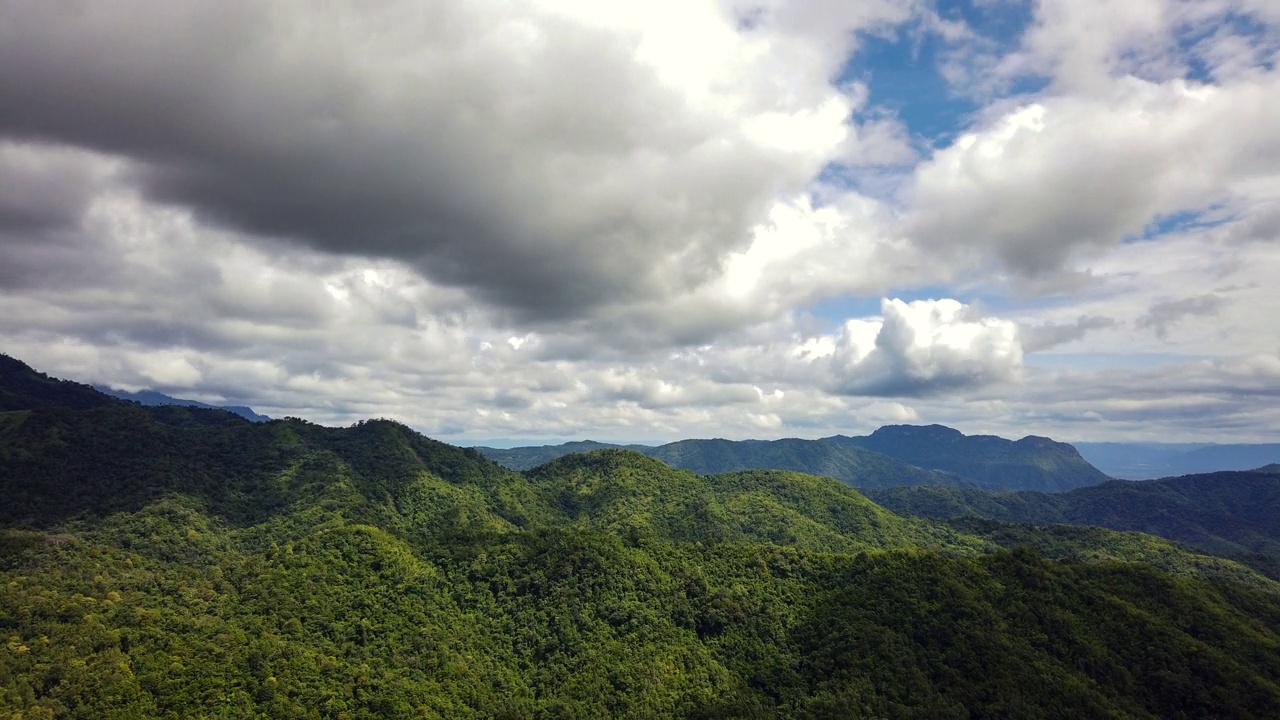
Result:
{"points": [[536, 221]]}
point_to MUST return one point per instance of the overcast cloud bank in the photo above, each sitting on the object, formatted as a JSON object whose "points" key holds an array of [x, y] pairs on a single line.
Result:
{"points": [[554, 220]]}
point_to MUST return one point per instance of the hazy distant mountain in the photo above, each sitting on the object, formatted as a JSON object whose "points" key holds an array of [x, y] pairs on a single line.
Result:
{"points": [[528, 457], [1032, 463], [1144, 460], [151, 398], [1224, 512], [893, 455], [850, 465]]}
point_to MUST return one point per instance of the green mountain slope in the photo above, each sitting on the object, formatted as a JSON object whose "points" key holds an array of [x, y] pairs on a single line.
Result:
{"points": [[177, 562], [625, 493]]}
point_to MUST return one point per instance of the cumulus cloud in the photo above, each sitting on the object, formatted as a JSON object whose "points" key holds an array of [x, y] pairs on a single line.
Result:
{"points": [[1072, 174], [552, 157], [640, 221], [918, 348]]}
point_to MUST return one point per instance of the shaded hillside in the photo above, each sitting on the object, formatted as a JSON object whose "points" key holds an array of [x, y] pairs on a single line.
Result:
{"points": [[1225, 512], [1032, 463], [22, 387], [182, 562]]}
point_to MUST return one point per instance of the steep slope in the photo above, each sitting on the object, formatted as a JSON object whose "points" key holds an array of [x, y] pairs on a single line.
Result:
{"points": [[1032, 463], [1227, 512], [22, 388]]}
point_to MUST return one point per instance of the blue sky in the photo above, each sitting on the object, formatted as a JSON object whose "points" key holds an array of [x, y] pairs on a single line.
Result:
{"points": [[556, 220]]}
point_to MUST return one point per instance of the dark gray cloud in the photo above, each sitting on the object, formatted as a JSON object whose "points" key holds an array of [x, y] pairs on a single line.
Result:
{"points": [[1043, 337], [45, 189], [526, 157]]}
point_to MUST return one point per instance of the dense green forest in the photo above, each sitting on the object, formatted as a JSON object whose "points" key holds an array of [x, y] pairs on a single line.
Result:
{"points": [[892, 456], [182, 562]]}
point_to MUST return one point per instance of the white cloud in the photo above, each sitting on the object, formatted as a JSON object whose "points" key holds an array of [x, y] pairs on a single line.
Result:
{"points": [[1070, 174], [552, 158], [571, 219], [918, 348]]}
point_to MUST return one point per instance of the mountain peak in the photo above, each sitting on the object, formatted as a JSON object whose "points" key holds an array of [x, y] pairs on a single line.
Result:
{"points": [[919, 432]]}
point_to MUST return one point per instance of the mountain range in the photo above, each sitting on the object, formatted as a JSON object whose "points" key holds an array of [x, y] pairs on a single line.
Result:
{"points": [[891, 456], [1229, 513], [179, 561], [151, 398], [1144, 461]]}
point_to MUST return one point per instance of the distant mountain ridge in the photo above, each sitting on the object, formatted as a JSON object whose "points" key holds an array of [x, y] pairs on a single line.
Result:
{"points": [[1032, 463], [151, 398], [1229, 512], [1146, 460], [891, 456]]}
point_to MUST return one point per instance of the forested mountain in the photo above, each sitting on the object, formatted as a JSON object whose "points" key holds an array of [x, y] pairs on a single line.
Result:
{"points": [[151, 398], [892, 456], [851, 465], [1032, 463], [1232, 513], [169, 561]]}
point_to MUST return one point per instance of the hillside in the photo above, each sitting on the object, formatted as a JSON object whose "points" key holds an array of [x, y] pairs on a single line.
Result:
{"points": [[174, 561]]}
